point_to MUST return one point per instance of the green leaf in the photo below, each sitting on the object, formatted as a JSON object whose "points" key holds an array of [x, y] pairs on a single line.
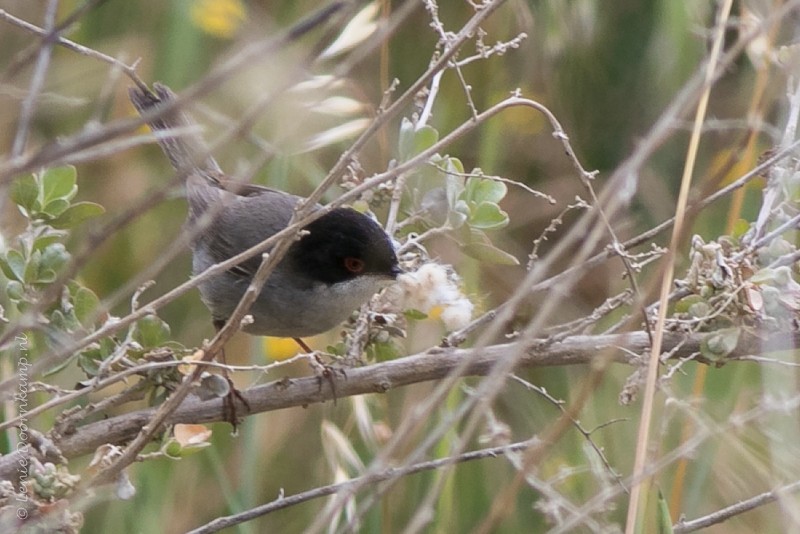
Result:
{"points": [[32, 267], [719, 344], [779, 247], [382, 351], [25, 194], [415, 140], [426, 177], [176, 451], [24, 305], [172, 448], [45, 240], [90, 360], [54, 257], [485, 190], [55, 207], [415, 315], [15, 291], [150, 331], [86, 303], [699, 309], [489, 253], [663, 520], [13, 265], [740, 227], [453, 166], [58, 320], [186, 439], [778, 277], [58, 183], [683, 305], [424, 138], [76, 214], [454, 186], [336, 350], [196, 447], [458, 215], [46, 276], [772, 300], [479, 246], [406, 140], [488, 216], [694, 305]]}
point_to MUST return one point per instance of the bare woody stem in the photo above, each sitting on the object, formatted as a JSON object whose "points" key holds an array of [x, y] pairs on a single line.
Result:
{"points": [[433, 364]]}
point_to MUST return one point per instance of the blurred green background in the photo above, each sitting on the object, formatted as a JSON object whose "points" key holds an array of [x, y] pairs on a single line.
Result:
{"points": [[606, 69]]}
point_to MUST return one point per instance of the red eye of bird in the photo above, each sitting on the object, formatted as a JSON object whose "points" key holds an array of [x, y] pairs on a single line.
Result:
{"points": [[354, 265]]}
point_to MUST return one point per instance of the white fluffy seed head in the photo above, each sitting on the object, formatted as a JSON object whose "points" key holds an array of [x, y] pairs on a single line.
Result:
{"points": [[457, 315], [434, 285]]}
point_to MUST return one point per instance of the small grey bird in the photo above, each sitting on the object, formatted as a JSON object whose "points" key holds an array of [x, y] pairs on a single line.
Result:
{"points": [[345, 258]]}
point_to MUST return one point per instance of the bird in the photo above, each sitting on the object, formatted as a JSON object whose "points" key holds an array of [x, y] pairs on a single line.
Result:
{"points": [[342, 259]]}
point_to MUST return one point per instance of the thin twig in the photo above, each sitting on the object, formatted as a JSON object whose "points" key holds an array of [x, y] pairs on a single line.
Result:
{"points": [[360, 482], [684, 526], [39, 72], [587, 434], [706, 430], [130, 70]]}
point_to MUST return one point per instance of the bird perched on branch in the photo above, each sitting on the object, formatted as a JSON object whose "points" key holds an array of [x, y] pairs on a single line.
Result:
{"points": [[344, 258]]}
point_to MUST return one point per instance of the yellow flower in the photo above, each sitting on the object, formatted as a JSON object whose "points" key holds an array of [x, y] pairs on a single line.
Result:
{"points": [[220, 18], [280, 348]]}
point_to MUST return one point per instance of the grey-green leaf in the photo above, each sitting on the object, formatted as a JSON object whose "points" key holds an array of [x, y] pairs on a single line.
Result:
{"points": [[719, 344], [415, 140], [406, 140], [77, 213], [488, 216], [32, 267], [478, 245], [46, 276], [13, 265], [54, 256], [43, 241], [453, 166], [25, 194], [415, 314], [458, 215], [485, 190], [58, 183], [424, 138], [383, 351], [150, 331], [490, 253], [55, 207], [454, 185], [15, 290], [86, 304]]}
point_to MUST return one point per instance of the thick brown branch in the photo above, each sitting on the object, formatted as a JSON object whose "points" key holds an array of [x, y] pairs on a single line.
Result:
{"points": [[433, 364]]}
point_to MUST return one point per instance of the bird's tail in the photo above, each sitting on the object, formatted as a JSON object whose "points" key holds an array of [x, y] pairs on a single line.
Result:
{"points": [[175, 131], [178, 137]]}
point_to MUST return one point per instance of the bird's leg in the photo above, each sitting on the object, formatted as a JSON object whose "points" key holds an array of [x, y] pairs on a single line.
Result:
{"points": [[326, 371], [303, 345], [229, 402]]}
